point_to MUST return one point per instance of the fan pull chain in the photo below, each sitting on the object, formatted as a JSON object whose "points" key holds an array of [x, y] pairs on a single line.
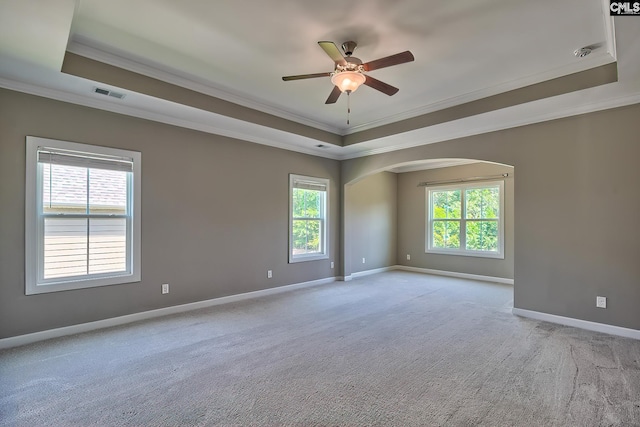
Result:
{"points": [[348, 105]]}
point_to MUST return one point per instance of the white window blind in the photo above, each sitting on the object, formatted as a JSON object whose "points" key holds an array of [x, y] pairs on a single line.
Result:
{"points": [[309, 185], [86, 216], [85, 160]]}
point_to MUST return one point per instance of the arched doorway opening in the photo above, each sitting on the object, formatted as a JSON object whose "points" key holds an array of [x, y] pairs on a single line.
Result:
{"points": [[386, 219]]}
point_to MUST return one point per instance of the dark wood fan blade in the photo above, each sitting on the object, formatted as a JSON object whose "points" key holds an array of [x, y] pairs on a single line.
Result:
{"points": [[333, 96], [381, 86], [398, 58], [305, 76], [334, 53]]}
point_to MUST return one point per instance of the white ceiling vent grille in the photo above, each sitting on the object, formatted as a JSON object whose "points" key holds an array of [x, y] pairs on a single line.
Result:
{"points": [[108, 92]]}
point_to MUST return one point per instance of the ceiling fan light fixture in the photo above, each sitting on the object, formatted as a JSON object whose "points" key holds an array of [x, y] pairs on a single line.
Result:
{"points": [[348, 81]]}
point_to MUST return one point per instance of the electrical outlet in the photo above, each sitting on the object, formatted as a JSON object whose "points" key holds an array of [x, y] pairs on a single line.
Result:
{"points": [[165, 288], [408, 257], [269, 274], [601, 302], [364, 260], [331, 264]]}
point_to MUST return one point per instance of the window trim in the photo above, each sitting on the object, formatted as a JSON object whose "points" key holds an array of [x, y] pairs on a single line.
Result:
{"points": [[33, 227], [462, 251], [325, 234]]}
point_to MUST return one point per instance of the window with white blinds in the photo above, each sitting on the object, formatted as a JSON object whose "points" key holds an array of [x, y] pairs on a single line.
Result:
{"points": [[308, 218], [83, 222]]}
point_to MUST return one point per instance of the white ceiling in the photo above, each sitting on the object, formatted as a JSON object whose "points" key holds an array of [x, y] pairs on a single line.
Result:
{"points": [[238, 50]]}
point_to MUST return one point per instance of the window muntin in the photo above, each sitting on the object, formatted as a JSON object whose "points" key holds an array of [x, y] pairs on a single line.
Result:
{"points": [[83, 221], [466, 219], [308, 198]]}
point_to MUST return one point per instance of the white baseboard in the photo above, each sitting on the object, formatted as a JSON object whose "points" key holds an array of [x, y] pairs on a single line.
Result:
{"points": [[372, 271], [121, 320], [428, 271], [577, 323], [455, 274]]}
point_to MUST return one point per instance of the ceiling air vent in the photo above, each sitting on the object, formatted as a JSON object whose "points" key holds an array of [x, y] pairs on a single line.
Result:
{"points": [[108, 92]]}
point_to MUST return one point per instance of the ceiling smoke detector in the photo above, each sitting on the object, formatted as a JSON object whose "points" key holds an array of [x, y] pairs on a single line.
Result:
{"points": [[582, 52]]}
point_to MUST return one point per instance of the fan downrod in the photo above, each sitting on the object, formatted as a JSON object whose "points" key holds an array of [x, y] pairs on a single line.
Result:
{"points": [[349, 47]]}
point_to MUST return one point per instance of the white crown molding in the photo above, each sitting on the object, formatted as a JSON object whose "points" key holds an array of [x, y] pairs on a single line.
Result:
{"points": [[89, 50], [599, 60], [414, 138], [208, 127], [484, 93], [578, 323], [491, 126], [609, 30], [175, 77], [151, 314]]}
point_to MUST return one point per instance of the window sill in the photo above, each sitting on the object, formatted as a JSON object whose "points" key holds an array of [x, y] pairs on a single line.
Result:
{"points": [[303, 258], [466, 253], [69, 285]]}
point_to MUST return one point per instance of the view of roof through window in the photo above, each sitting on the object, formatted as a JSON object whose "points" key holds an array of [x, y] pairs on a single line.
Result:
{"points": [[75, 189], [87, 234]]}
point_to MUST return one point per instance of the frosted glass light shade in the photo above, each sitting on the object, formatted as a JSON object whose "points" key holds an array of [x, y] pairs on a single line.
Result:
{"points": [[348, 80]]}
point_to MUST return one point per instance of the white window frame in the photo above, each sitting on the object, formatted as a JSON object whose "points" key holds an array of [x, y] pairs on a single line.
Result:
{"points": [[324, 243], [34, 220], [462, 251]]}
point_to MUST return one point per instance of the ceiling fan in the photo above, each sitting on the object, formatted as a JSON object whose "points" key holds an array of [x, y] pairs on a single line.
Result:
{"points": [[348, 73]]}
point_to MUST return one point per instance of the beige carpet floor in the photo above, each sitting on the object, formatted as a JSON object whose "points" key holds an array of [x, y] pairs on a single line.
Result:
{"points": [[396, 348]]}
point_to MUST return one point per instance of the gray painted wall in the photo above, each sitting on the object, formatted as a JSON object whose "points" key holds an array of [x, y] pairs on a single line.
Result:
{"points": [[576, 208], [222, 206], [412, 217], [371, 215], [100, 72], [214, 214]]}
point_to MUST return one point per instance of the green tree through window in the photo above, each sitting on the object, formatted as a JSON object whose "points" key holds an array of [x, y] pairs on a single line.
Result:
{"points": [[465, 218], [307, 205], [482, 214], [308, 218], [446, 213]]}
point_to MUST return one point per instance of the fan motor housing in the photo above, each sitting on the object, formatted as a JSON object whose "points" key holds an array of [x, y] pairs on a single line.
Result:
{"points": [[351, 65]]}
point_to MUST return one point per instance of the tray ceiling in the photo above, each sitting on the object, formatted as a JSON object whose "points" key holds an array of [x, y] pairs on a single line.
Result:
{"points": [[237, 52]]}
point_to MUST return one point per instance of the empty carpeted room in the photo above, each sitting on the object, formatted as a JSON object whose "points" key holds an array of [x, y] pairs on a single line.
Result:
{"points": [[290, 212]]}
